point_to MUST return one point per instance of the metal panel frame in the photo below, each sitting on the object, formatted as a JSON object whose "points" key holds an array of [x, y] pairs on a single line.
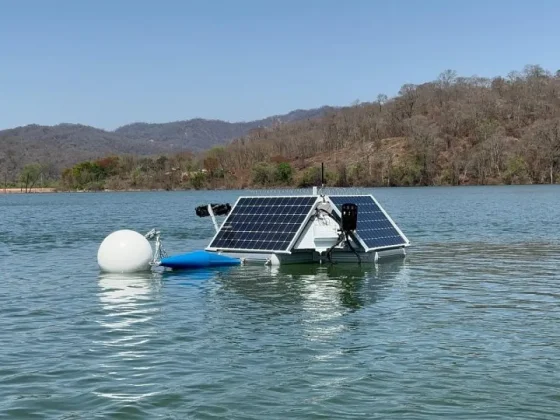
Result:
{"points": [[288, 250], [398, 229], [360, 240]]}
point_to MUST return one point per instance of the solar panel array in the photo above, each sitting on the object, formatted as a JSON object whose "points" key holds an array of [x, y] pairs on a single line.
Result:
{"points": [[263, 223], [374, 228]]}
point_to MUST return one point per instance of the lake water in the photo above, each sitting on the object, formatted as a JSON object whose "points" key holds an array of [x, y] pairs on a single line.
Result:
{"points": [[467, 326]]}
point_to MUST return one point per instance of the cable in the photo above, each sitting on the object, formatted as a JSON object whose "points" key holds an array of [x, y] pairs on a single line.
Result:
{"points": [[352, 248], [328, 214], [343, 236], [340, 238], [329, 251]]}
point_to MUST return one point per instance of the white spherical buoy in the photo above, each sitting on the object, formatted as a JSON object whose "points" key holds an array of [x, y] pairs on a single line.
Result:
{"points": [[124, 251]]}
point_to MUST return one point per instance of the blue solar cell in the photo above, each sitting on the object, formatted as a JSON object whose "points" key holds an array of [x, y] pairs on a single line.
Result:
{"points": [[263, 223], [374, 228]]}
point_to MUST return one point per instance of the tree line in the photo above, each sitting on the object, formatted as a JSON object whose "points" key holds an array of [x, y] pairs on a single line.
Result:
{"points": [[450, 131]]}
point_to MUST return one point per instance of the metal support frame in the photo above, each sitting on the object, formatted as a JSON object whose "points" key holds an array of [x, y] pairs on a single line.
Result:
{"points": [[213, 218], [159, 251]]}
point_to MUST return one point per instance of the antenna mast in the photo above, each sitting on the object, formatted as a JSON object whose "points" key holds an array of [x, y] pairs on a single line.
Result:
{"points": [[322, 178]]}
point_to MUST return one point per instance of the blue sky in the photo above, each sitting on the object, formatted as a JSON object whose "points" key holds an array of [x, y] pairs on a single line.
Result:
{"points": [[108, 63]]}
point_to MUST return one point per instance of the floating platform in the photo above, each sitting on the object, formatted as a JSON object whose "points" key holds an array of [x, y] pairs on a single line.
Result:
{"points": [[308, 229], [272, 230]]}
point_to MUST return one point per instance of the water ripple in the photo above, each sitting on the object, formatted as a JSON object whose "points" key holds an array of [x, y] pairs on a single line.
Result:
{"points": [[466, 327]]}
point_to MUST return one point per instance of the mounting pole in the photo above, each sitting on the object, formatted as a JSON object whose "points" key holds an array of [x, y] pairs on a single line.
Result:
{"points": [[213, 217], [322, 177]]}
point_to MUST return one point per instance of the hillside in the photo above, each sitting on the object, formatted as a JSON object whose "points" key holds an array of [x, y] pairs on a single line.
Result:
{"points": [[199, 134], [66, 144], [451, 131]]}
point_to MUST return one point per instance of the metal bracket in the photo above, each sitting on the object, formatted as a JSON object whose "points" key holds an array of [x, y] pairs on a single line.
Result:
{"points": [[159, 251]]}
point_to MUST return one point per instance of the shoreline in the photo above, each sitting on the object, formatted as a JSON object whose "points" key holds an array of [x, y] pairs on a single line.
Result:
{"points": [[32, 191], [52, 190]]}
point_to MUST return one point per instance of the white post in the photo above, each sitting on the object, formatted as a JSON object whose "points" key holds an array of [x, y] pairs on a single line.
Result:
{"points": [[213, 217], [314, 190]]}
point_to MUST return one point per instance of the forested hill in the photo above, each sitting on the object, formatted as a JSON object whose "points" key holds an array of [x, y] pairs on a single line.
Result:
{"points": [[450, 131], [66, 144], [200, 134]]}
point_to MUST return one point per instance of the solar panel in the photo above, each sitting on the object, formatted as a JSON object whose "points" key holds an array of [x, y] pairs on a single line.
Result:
{"points": [[263, 223], [375, 228]]}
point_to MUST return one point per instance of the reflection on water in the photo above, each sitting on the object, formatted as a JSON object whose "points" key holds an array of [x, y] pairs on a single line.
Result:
{"points": [[128, 305], [314, 299], [336, 287], [121, 289], [332, 292], [467, 326], [196, 277]]}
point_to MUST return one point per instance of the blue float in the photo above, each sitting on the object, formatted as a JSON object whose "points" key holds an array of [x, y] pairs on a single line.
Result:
{"points": [[198, 259]]}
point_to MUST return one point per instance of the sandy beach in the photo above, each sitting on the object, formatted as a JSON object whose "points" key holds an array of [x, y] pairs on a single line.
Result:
{"points": [[22, 191]]}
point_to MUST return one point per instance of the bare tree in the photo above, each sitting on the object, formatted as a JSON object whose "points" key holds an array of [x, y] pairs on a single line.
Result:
{"points": [[545, 137], [8, 165], [424, 140]]}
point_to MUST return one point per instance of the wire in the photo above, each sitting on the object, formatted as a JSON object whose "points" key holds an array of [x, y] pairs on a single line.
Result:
{"points": [[343, 236], [340, 238], [329, 251], [328, 214], [352, 248]]}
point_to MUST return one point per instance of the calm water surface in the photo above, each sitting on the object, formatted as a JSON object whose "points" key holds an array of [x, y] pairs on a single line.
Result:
{"points": [[468, 326]]}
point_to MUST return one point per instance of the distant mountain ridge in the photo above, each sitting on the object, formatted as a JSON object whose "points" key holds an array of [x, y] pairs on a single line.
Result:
{"points": [[201, 134], [65, 144]]}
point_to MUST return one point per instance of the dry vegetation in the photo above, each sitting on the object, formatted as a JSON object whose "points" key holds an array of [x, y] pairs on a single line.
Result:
{"points": [[452, 131]]}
